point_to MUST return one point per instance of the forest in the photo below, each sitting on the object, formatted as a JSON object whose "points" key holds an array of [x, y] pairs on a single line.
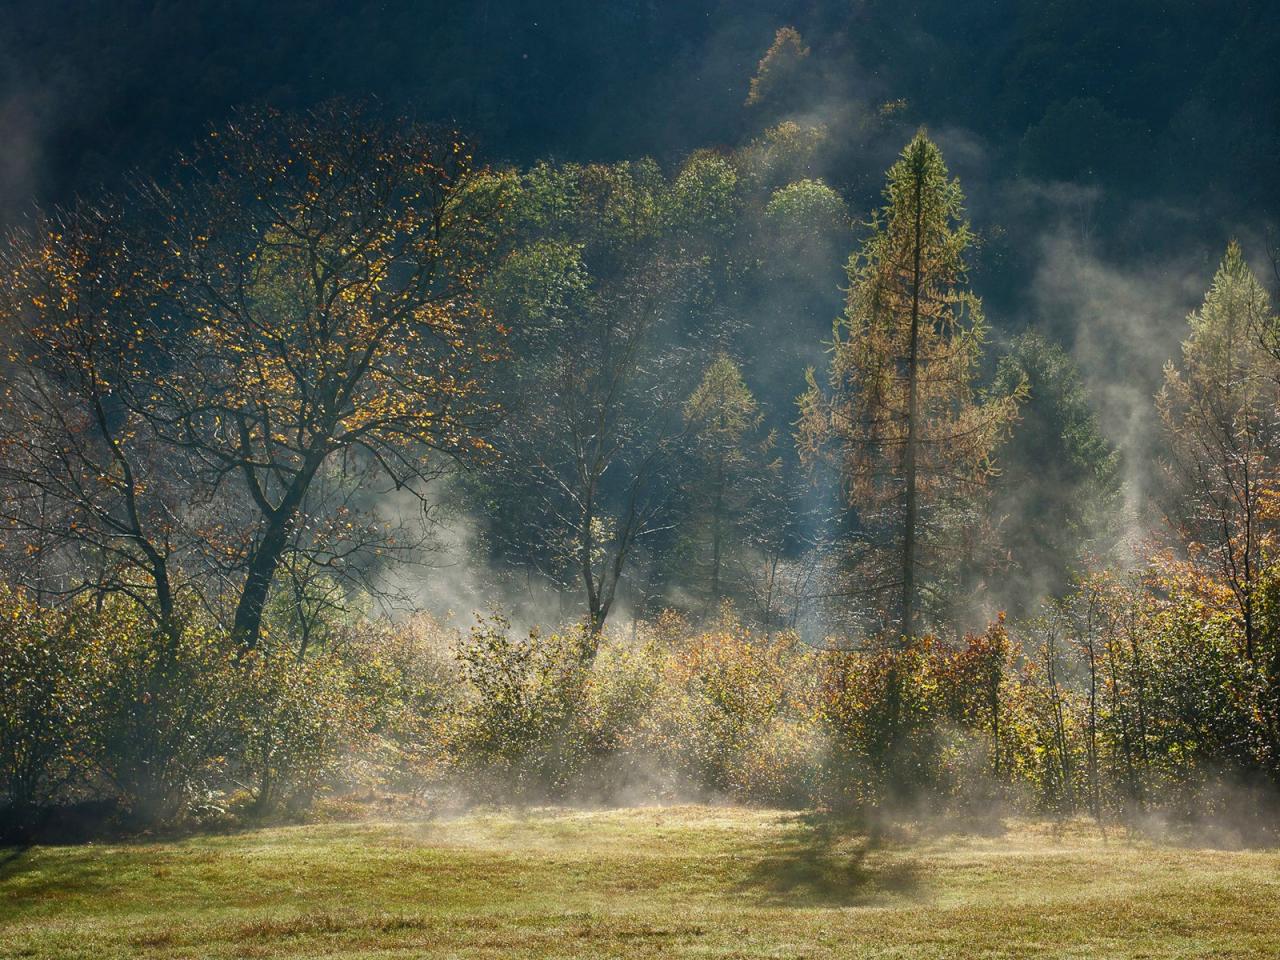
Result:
{"points": [[793, 427]]}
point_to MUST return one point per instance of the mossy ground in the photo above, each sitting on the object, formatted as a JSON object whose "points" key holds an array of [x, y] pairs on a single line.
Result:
{"points": [[644, 882]]}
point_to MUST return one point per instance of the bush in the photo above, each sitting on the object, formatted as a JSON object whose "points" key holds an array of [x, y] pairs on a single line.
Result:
{"points": [[97, 703], [983, 707], [882, 712], [405, 676], [49, 662], [613, 725], [297, 721], [1131, 700], [1201, 720], [515, 733], [736, 716], [163, 717]]}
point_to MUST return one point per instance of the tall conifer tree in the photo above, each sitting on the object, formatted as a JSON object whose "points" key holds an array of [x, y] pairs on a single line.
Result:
{"points": [[900, 415], [1219, 414]]}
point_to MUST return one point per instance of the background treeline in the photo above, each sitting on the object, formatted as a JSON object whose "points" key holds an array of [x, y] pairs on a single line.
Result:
{"points": [[1141, 94], [1164, 114], [241, 402]]}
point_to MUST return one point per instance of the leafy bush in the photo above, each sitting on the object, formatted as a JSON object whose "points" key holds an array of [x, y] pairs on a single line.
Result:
{"points": [[405, 676], [1136, 698], [96, 703], [163, 716], [882, 712], [973, 682], [736, 718], [614, 722], [49, 661], [514, 733], [807, 205], [1202, 720], [297, 721]]}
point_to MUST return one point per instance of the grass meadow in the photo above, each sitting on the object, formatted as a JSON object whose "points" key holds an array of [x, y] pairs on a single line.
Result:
{"points": [[655, 882]]}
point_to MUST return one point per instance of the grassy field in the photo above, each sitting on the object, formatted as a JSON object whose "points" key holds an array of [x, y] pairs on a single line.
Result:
{"points": [[646, 882]]}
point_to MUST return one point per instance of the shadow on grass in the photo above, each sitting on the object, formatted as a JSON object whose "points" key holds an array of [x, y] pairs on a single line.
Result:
{"points": [[11, 855], [828, 862]]}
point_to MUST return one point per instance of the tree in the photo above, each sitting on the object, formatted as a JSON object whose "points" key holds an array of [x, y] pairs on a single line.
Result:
{"points": [[595, 286], [89, 502], [779, 76], [900, 414], [1055, 503], [322, 276], [730, 479], [1219, 414], [282, 332]]}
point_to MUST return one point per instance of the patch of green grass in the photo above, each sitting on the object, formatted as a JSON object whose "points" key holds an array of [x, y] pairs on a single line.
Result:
{"points": [[645, 882]]}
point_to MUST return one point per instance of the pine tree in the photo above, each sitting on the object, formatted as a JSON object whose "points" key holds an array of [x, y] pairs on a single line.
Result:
{"points": [[901, 416]]}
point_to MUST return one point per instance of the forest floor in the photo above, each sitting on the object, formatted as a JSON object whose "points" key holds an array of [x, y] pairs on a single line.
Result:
{"points": [[643, 882]]}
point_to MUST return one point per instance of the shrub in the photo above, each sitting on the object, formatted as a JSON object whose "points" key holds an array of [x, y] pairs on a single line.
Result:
{"points": [[297, 720], [1201, 720], [612, 724], [1139, 700], [163, 712], [49, 660], [405, 676], [882, 712], [514, 732], [736, 718], [983, 710]]}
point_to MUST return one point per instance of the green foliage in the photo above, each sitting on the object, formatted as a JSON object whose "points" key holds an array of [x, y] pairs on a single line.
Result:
{"points": [[98, 704], [807, 229], [163, 713], [899, 414], [404, 675], [1124, 699], [49, 662], [705, 196], [605, 266], [615, 714], [1202, 722], [883, 714], [1218, 409], [730, 483], [780, 75], [783, 154], [514, 734], [1055, 501], [297, 720], [736, 716], [544, 285], [807, 205], [318, 292]]}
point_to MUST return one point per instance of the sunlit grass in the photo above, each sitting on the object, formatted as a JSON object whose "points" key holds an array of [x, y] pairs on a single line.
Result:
{"points": [[647, 882]]}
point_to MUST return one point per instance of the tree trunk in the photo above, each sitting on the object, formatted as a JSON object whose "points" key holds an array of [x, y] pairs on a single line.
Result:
{"points": [[716, 536], [909, 459], [246, 628]]}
